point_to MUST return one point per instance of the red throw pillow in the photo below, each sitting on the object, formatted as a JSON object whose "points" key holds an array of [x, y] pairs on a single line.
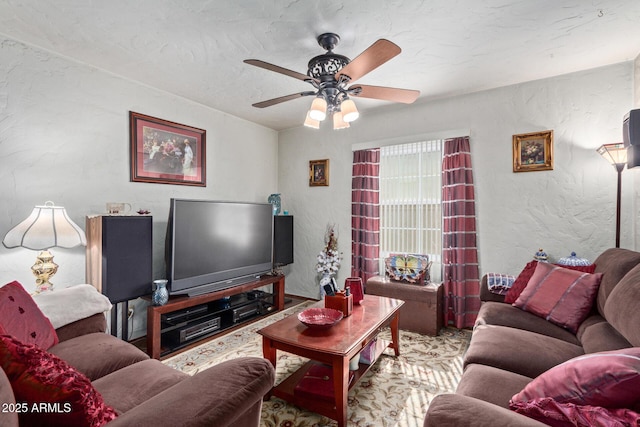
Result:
{"points": [[54, 393], [552, 413], [560, 295], [21, 318], [523, 278], [520, 283], [610, 379]]}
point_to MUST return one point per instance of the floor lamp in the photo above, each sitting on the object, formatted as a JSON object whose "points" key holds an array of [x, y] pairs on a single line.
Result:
{"points": [[616, 154]]}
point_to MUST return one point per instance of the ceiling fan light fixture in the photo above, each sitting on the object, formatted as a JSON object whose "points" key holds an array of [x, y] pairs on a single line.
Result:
{"points": [[330, 74], [311, 123], [338, 121], [349, 110], [318, 109]]}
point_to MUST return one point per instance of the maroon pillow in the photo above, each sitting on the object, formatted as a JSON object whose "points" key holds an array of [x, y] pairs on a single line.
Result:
{"points": [[560, 295], [20, 317], [523, 278], [520, 283], [610, 379], [555, 414], [55, 393]]}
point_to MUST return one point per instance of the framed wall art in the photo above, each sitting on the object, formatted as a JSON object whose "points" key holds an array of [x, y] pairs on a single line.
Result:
{"points": [[319, 173], [533, 151], [165, 152]]}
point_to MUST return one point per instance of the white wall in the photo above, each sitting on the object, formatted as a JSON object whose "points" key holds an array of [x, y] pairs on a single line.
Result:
{"points": [[571, 208], [64, 136]]}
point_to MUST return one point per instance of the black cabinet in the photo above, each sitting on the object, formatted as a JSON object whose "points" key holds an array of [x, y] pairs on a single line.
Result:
{"points": [[181, 328]]}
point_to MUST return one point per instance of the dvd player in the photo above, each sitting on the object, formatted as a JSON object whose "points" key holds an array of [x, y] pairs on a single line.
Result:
{"points": [[243, 312], [181, 315], [199, 329]]}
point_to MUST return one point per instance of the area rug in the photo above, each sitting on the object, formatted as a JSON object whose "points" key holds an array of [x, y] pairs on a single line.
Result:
{"points": [[395, 392]]}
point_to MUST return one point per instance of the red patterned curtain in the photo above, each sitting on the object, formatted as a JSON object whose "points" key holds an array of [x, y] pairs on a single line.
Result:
{"points": [[461, 279], [365, 214]]}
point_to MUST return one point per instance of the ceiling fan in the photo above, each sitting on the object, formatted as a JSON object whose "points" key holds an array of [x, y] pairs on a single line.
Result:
{"points": [[330, 75]]}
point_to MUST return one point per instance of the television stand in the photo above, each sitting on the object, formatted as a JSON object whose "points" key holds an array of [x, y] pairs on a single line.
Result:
{"points": [[185, 320]]}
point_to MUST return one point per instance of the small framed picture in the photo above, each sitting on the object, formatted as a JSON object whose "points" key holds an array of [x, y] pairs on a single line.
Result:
{"points": [[165, 152], [319, 173], [533, 151]]}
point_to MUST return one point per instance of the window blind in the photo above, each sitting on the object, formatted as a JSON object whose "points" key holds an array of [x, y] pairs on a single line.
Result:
{"points": [[411, 200]]}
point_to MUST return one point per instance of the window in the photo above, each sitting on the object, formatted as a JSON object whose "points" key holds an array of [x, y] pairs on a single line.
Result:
{"points": [[410, 202]]}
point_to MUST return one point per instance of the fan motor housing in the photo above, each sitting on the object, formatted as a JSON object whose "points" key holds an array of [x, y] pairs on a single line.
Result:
{"points": [[324, 67]]}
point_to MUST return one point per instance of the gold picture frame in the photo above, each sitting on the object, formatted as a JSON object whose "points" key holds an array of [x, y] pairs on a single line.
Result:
{"points": [[319, 173], [533, 151]]}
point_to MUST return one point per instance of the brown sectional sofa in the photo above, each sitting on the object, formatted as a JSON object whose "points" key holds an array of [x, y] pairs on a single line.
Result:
{"points": [[145, 392], [510, 347]]}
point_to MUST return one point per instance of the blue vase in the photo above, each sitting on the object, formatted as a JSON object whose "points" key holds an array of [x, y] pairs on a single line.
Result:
{"points": [[274, 199], [160, 295]]}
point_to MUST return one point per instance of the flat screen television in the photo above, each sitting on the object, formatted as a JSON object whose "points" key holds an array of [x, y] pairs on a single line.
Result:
{"points": [[214, 245]]}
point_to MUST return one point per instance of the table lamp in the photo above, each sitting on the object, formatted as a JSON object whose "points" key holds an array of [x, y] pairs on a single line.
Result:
{"points": [[48, 226]]}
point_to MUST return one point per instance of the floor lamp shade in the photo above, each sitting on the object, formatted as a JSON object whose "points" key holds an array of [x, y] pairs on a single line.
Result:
{"points": [[616, 154]]}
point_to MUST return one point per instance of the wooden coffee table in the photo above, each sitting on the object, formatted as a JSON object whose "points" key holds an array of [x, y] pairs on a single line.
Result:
{"points": [[334, 346]]}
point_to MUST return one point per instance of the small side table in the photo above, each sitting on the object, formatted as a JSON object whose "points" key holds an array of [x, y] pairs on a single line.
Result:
{"points": [[422, 311]]}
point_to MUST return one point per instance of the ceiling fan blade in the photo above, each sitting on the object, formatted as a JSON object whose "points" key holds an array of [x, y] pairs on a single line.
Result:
{"points": [[277, 69], [373, 57], [406, 96], [285, 98]]}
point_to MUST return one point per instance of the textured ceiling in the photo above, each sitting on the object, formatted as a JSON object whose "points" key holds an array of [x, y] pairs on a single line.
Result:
{"points": [[195, 48]]}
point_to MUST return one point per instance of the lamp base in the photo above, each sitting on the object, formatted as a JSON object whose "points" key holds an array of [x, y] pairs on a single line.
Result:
{"points": [[44, 269]]}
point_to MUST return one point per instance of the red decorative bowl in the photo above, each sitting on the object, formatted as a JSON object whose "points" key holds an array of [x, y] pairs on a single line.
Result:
{"points": [[320, 318]]}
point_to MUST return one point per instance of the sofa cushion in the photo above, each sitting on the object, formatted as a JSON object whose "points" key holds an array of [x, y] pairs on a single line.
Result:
{"points": [[560, 295], [88, 325], [609, 379], [621, 307], [558, 414], [21, 318], [211, 397], [522, 352], [596, 334], [500, 314], [98, 354], [147, 378], [455, 410], [40, 378], [491, 384], [523, 278], [614, 263]]}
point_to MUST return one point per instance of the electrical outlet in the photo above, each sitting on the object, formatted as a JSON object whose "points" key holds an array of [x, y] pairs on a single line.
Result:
{"points": [[130, 313]]}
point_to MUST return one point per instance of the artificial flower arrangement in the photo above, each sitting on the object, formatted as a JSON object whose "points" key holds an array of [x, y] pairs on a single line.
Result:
{"points": [[329, 258]]}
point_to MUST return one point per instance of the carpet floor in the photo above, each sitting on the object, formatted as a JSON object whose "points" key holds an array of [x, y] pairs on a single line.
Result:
{"points": [[395, 392]]}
